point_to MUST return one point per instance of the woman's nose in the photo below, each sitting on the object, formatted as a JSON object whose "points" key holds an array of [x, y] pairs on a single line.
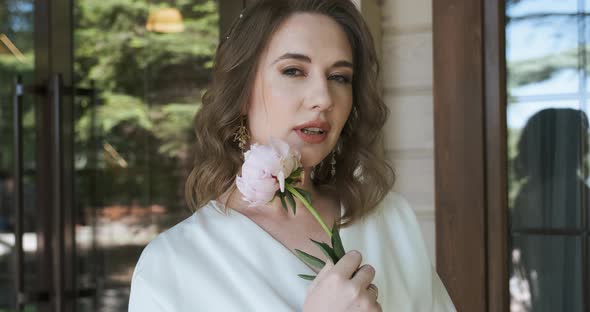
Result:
{"points": [[320, 97]]}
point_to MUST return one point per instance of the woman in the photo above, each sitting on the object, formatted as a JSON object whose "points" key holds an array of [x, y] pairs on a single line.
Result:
{"points": [[304, 71]]}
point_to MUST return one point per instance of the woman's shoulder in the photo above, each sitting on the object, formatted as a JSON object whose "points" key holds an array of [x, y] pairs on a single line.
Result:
{"points": [[395, 203], [403, 228], [174, 262], [396, 212], [170, 245]]}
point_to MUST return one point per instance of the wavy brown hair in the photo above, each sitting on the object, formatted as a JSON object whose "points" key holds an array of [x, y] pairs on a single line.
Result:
{"points": [[363, 177]]}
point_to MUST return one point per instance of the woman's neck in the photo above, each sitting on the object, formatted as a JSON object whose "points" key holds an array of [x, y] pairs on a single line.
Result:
{"points": [[274, 209]]}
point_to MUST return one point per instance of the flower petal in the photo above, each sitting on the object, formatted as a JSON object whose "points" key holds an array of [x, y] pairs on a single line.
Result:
{"points": [[281, 147], [281, 178], [257, 191]]}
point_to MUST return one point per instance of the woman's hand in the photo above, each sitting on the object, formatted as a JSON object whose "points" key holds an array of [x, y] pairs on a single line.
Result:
{"points": [[336, 289]]}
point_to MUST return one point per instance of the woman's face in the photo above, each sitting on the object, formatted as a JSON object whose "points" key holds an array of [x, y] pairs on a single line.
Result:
{"points": [[304, 75]]}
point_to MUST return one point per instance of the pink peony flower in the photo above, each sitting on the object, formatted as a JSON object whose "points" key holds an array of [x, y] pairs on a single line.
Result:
{"points": [[273, 167], [265, 169]]}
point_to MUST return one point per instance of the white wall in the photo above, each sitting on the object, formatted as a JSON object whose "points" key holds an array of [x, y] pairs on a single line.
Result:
{"points": [[407, 82]]}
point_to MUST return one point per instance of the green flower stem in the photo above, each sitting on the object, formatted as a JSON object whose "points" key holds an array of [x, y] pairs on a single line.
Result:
{"points": [[309, 207]]}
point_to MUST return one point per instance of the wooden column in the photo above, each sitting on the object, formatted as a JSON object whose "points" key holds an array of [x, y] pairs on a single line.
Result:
{"points": [[471, 156], [459, 150], [496, 156]]}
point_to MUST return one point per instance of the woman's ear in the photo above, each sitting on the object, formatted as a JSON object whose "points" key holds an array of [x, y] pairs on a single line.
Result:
{"points": [[244, 110]]}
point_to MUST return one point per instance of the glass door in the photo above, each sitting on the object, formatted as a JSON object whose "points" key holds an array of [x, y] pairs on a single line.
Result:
{"points": [[97, 100], [150, 61], [19, 255]]}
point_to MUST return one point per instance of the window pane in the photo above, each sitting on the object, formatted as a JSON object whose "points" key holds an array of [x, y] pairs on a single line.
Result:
{"points": [[547, 119], [542, 40], [525, 7], [546, 274]]}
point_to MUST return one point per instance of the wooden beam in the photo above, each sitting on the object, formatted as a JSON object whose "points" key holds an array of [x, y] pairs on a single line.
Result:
{"points": [[459, 150], [496, 155]]}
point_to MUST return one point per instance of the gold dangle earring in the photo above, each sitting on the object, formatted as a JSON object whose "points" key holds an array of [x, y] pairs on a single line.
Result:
{"points": [[241, 136]]}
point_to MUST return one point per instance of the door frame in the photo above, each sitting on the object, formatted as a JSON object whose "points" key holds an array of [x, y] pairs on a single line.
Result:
{"points": [[470, 149], [53, 41]]}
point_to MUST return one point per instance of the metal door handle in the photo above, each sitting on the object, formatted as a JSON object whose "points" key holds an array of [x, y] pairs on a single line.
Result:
{"points": [[17, 124], [56, 90]]}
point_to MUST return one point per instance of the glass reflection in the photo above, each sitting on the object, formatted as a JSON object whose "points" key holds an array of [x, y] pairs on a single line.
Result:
{"points": [[547, 168], [542, 40], [16, 58], [546, 274], [547, 87], [149, 63]]}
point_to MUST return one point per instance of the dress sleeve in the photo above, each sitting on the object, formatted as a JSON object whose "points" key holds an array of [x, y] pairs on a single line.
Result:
{"points": [[142, 297], [441, 301]]}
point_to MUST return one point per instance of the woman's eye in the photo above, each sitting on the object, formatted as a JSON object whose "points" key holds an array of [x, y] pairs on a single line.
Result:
{"points": [[341, 79], [291, 71]]}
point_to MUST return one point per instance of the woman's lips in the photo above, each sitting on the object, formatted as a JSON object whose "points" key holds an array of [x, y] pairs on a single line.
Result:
{"points": [[312, 138]]}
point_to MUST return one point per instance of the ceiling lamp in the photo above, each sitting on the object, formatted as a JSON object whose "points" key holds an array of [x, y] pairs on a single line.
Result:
{"points": [[168, 20]]}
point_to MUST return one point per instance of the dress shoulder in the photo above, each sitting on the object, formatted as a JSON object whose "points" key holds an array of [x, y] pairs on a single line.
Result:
{"points": [[154, 273], [154, 253]]}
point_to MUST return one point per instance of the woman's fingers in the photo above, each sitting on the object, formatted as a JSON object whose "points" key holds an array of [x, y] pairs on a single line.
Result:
{"points": [[348, 264], [374, 291], [344, 285], [322, 273], [364, 276]]}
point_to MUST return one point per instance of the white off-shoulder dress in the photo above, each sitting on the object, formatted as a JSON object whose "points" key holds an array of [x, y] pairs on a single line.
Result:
{"points": [[217, 262]]}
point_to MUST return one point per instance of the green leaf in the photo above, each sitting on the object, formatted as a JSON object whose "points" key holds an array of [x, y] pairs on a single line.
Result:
{"points": [[282, 197], [305, 194], [327, 250], [296, 175], [291, 201], [307, 277], [309, 259], [337, 242]]}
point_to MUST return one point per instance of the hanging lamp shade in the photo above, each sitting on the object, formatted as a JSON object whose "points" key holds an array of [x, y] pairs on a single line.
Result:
{"points": [[166, 20]]}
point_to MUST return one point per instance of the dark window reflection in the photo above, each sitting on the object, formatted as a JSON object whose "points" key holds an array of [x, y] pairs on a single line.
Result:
{"points": [[546, 274], [548, 164]]}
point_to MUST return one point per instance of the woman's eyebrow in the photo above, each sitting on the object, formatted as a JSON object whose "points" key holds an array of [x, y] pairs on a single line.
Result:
{"points": [[305, 58]]}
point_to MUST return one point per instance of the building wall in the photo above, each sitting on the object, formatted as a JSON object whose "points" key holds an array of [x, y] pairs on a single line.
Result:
{"points": [[407, 82]]}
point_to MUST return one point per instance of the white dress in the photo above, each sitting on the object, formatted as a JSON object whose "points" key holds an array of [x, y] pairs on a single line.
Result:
{"points": [[217, 262]]}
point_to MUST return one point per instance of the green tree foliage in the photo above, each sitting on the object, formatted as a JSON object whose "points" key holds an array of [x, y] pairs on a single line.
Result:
{"points": [[16, 23], [149, 88]]}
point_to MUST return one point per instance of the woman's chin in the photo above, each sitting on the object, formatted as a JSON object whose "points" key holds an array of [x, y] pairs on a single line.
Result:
{"points": [[310, 161]]}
